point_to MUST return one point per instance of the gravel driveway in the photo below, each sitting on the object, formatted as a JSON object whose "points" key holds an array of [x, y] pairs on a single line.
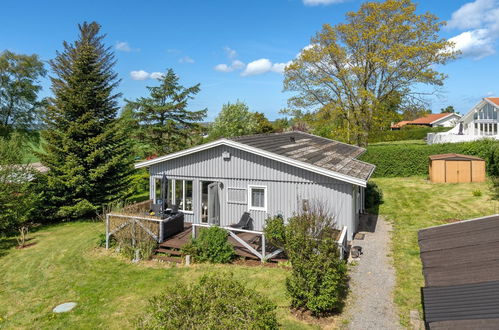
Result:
{"points": [[370, 305]]}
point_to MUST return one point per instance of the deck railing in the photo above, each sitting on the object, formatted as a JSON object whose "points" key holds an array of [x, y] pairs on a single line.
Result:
{"points": [[139, 227], [262, 255]]}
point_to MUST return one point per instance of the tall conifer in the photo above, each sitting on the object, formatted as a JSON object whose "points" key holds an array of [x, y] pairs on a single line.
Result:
{"points": [[86, 148]]}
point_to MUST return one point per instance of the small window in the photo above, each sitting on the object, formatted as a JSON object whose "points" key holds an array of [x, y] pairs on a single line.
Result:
{"points": [[257, 198]]}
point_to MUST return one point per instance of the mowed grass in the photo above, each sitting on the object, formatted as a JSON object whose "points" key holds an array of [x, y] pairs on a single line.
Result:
{"points": [[65, 265], [415, 203]]}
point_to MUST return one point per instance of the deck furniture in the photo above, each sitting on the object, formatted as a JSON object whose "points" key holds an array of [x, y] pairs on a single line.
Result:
{"points": [[173, 224], [244, 222]]}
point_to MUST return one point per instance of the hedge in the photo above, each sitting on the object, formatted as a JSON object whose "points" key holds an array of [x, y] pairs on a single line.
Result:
{"points": [[404, 160], [406, 133]]}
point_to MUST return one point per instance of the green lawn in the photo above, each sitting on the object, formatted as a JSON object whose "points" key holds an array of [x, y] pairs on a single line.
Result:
{"points": [[414, 203], [65, 265]]}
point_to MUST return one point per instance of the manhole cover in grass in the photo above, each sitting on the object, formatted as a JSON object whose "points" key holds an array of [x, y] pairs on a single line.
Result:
{"points": [[66, 307]]}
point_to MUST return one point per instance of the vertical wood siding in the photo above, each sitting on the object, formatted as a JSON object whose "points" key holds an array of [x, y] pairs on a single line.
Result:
{"points": [[286, 186]]}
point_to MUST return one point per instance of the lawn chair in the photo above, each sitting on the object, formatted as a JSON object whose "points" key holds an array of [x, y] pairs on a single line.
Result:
{"points": [[244, 223]]}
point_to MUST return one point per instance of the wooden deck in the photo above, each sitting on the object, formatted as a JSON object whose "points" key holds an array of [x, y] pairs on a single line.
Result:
{"points": [[179, 240]]}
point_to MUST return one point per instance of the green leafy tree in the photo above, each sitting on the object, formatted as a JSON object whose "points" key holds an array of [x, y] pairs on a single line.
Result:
{"points": [[86, 146], [351, 71], [448, 109], [165, 123], [235, 119], [263, 124], [16, 198], [19, 87]]}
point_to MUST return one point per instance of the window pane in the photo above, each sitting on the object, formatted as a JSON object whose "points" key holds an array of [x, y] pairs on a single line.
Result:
{"points": [[188, 196], [157, 192], [257, 197], [178, 193]]}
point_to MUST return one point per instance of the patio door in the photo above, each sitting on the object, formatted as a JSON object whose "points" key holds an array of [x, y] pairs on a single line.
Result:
{"points": [[214, 203]]}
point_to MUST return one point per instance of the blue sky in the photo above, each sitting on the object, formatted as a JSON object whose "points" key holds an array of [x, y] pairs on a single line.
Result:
{"points": [[236, 49]]}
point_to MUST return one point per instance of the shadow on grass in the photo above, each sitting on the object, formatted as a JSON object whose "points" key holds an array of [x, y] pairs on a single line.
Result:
{"points": [[6, 244]]}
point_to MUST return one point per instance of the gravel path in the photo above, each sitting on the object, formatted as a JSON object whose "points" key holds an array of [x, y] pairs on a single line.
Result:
{"points": [[372, 281]]}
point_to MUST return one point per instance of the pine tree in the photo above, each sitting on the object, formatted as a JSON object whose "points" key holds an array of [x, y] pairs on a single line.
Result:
{"points": [[165, 123], [86, 147]]}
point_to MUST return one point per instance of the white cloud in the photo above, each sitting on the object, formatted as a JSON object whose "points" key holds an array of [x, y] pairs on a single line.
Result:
{"points": [[223, 68], [257, 67], [475, 43], [471, 15], [481, 20], [279, 67], [231, 53], [186, 59], [124, 46], [321, 2], [156, 75], [143, 75], [236, 65]]}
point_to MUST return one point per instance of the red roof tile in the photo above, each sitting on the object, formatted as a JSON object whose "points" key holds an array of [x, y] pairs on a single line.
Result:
{"points": [[494, 100], [428, 119]]}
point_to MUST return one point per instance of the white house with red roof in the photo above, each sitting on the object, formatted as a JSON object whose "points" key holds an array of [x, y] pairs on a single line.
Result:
{"points": [[481, 122], [433, 120]]}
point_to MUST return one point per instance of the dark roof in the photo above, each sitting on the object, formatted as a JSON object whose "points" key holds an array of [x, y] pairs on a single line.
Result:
{"points": [[454, 157], [461, 271], [325, 153]]}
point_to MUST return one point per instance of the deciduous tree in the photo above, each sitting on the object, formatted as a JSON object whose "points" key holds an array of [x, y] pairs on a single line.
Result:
{"points": [[351, 71], [19, 87], [235, 119]]}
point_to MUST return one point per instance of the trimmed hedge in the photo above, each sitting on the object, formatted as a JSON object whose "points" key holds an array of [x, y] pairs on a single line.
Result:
{"points": [[406, 133], [404, 160]]}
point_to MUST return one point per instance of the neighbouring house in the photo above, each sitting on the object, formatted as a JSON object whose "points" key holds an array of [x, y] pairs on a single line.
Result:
{"points": [[480, 122], [461, 272], [431, 120], [265, 175]]}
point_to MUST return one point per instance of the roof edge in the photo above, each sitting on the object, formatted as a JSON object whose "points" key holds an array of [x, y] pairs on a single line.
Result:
{"points": [[458, 222]]}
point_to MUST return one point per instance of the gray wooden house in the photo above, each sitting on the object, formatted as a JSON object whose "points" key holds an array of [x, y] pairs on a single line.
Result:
{"points": [[266, 175]]}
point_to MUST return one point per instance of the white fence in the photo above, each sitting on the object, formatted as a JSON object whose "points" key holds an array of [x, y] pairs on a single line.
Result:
{"points": [[436, 138]]}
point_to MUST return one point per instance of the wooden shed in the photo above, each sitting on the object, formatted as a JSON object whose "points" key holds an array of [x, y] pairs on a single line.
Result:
{"points": [[456, 168]]}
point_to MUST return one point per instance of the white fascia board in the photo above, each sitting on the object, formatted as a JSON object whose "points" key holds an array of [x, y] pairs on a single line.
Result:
{"points": [[491, 103], [472, 111], [458, 222], [256, 151]]}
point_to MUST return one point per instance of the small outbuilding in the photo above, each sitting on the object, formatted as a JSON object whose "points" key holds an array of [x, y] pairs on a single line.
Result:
{"points": [[456, 168]]}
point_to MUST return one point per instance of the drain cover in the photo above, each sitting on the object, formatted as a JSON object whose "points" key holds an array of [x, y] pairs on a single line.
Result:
{"points": [[66, 307]]}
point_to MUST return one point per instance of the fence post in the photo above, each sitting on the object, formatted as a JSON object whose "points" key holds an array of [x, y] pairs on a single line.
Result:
{"points": [[107, 231], [133, 232], [160, 238], [193, 230], [263, 248]]}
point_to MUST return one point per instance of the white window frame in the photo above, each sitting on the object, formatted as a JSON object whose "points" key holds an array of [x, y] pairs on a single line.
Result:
{"points": [[254, 208], [173, 187]]}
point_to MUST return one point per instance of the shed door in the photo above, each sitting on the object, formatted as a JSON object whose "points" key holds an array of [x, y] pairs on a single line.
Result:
{"points": [[457, 171]]}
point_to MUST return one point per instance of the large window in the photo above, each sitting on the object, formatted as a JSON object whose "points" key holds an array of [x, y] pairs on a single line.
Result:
{"points": [[182, 194], [257, 198]]}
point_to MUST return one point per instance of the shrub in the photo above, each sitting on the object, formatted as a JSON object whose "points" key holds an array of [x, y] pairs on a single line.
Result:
{"points": [[211, 246], [318, 280], [217, 301], [374, 195], [404, 160], [477, 193]]}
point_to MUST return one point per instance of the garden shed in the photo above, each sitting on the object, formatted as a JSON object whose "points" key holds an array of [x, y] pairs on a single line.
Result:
{"points": [[456, 168]]}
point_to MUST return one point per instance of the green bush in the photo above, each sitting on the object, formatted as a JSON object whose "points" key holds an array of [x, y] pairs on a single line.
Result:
{"points": [[374, 195], [477, 193], [217, 301], [211, 246], [404, 160], [409, 132], [318, 280]]}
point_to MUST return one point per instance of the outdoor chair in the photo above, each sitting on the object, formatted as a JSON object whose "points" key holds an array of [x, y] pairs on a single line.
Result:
{"points": [[244, 223]]}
